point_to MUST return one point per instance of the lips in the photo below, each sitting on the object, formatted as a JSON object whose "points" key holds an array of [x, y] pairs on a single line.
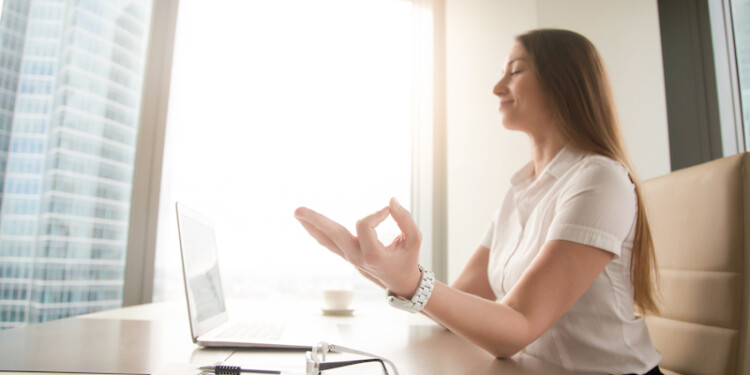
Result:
{"points": [[505, 103]]}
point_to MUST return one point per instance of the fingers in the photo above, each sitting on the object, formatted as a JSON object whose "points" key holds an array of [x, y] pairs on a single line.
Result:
{"points": [[330, 231], [366, 247], [368, 237], [321, 237], [405, 222]]}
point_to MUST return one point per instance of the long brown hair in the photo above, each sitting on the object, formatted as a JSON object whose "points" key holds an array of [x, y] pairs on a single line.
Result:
{"points": [[572, 74]]}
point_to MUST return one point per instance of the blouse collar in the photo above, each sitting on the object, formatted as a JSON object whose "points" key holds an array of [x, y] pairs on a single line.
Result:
{"points": [[560, 164]]}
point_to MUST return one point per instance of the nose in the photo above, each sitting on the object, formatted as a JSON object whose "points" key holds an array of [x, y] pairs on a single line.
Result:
{"points": [[500, 87]]}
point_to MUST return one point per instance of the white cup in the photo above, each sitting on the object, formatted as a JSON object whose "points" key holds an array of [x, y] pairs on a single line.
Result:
{"points": [[338, 299]]}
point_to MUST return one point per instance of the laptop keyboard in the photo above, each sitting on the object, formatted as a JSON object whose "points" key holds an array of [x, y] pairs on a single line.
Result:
{"points": [[245, 330]]}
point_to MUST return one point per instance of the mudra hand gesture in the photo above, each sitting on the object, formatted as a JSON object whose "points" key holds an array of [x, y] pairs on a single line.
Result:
{"points": [[393, 266]]}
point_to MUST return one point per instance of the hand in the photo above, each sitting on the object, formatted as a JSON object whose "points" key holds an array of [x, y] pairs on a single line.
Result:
{"points": [[394, 266]]}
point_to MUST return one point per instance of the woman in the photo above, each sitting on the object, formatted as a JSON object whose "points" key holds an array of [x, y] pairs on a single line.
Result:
{"points": [[568, 255]]}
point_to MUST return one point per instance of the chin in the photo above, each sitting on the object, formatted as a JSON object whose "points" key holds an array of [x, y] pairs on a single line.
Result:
{"points": [[510, 125]]}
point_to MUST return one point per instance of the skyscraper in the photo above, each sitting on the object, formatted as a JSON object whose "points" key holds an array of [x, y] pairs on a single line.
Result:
{"points": [[71, 74]]}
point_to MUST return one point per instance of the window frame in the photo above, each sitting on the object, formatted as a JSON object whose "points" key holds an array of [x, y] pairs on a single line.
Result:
{"points": [[727, 77], [141, 249]]}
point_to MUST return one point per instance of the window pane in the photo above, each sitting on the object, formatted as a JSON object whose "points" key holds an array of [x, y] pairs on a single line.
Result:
{"points": [[278, 104], [741, 24], [70, 91]]}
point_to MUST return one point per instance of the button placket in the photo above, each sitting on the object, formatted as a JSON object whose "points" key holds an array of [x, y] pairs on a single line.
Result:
{"points": [[516, 243]]}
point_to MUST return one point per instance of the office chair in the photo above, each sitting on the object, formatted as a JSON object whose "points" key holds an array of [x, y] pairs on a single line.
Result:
{"points": [[700, 218]]}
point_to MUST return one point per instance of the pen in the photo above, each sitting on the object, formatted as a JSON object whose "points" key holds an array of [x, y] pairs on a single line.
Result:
{"points": [[234, 370]]}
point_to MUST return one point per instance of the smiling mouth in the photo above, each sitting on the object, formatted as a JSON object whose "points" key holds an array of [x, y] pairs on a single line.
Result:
{"points": [[505, 103]]}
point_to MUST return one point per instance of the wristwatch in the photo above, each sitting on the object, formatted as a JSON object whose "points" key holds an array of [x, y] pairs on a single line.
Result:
{"points": [[419, 300]]}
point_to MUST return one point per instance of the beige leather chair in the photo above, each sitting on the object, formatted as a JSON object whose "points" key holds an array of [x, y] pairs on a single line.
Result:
{"points": [[700, 219]]}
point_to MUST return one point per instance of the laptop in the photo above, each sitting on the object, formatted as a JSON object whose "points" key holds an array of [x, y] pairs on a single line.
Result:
{"points": [[209, 320]]}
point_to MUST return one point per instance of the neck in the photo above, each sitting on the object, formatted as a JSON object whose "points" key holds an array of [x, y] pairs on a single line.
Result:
{"points": [[543, 150]]}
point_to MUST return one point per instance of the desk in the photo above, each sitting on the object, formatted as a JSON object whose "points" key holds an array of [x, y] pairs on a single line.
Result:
{"points": [[144, 339]]}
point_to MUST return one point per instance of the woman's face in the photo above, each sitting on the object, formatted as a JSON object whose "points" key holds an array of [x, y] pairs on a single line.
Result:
{"points": [[523, 103]]}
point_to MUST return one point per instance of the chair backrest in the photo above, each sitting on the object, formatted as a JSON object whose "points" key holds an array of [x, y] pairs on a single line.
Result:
{"points": [[699, 217]]}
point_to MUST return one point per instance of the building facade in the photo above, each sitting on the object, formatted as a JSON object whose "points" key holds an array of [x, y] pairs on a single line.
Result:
{"points": [[71, 73]]}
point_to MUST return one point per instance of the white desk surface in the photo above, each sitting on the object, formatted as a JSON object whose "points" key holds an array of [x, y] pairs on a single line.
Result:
{"points": [[148, 338]]}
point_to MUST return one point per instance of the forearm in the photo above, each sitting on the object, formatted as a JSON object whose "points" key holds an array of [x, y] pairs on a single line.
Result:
{"points": [[371, 278], [493, 326], [473, 279]]}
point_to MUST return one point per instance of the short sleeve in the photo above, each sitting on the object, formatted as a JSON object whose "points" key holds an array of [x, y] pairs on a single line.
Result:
{"points": [[597, 208]]}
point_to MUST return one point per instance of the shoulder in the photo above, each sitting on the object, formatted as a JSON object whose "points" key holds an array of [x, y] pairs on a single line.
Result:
{"points": [[600, 172], [597, 204], [598, 179]]}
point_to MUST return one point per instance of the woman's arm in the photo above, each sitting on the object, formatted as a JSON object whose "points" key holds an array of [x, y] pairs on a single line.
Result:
{"points": [[556, 278]]}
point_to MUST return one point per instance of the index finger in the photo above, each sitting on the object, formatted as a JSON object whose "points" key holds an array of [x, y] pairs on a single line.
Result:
{"points": [[368, 237], [406, 223]]}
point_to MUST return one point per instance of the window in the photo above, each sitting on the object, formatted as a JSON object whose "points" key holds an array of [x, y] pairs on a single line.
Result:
{"points": [[740, 10], [275, 105], [706, 50]]}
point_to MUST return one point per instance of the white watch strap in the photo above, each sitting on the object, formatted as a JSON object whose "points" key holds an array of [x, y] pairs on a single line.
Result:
{"points": [[419, 300]]}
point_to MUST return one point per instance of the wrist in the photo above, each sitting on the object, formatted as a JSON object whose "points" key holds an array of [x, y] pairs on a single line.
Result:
{"points": [[419, 298], [406, 288]]}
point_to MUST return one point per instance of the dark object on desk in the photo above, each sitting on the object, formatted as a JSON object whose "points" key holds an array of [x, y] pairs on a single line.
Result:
{"points": [[234, 370]]}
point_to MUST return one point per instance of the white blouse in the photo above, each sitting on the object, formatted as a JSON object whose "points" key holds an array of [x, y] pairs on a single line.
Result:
{"points": [[589, 200]]}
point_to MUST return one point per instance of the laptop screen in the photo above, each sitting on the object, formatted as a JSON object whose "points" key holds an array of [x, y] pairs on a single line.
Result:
{"points": [[200, 265]]}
